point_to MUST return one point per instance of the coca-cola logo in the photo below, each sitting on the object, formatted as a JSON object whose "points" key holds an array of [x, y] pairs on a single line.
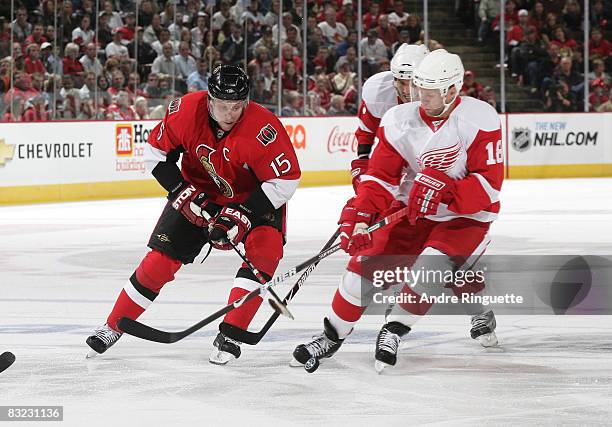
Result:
{"points": [[339, 141]]}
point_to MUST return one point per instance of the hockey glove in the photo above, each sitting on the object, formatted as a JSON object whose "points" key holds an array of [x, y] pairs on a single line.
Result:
{"points": [[358, 168], [354, 236], [193, 204], [430, 187], [231, 225]]}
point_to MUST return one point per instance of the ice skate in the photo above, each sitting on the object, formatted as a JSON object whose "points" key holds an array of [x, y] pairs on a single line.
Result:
{"points": [[483, 329], [225, 350], [322, 346], [102, 339], [387, 344]]}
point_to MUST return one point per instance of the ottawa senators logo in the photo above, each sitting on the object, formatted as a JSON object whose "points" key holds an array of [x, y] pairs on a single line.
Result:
{"points": [[267, 134], [204, 152]]}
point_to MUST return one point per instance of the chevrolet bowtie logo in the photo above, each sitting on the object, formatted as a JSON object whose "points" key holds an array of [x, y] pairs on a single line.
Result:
{"points": [[6, 152]]}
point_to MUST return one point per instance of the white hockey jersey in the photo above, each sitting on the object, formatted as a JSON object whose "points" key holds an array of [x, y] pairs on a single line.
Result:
{"points": [[467, 146], [378, 95]]}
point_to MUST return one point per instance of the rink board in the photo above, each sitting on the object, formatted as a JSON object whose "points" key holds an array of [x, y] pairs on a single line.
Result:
{"points": [[66, 161]]}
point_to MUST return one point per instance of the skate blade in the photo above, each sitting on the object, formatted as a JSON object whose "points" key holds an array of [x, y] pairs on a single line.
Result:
{"points": [[488, 340], [294, 363], [91, 353], [379, 366], [221, 358]]}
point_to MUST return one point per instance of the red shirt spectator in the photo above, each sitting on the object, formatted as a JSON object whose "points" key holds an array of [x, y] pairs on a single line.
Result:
{"points": [[36, 37], [387, 32], [470, 86], [33, 64], [599, 46], [563, 41], [370, 19]]}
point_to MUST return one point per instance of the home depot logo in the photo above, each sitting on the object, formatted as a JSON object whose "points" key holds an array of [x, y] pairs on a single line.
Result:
{"points": [[6, 152], [124, 140]]}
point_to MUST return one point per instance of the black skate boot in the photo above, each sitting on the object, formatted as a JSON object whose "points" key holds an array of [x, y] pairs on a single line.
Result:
{"points": [[483, 329], [102, 339], [225, 349], [321, 347], [387, 344]]}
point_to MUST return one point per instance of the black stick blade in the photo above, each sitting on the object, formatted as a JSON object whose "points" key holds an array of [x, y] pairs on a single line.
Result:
{"points": [[6, 360], [139, 330]]}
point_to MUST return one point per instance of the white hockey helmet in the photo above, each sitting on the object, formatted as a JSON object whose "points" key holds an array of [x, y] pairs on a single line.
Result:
{"points": [[440, 70], [406, 60]]}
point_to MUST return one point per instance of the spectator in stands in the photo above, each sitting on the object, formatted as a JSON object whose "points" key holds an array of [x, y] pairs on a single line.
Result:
{"points": [[398, 18], [36, 110], [146, 12], [325, 60], [232, 49], [572, 18], [351, 59], [198, 80], [488, 96], [511, 16], [259, 93], [117, 83], [333, 32], [470, 86], [128, 31], [53, 65], [141, 108], [102, 97], [288, 55], [199, 32], [336, 106], [599, 72], [344, 80], [164, 64], [221, 16], [37, 36], [404, 37], [164, 37], [253, 14], [414, 29], [528, 54], [291, 80], [176, 26], [116, 48], [268, 74], [559, 99], [516, 33], [89, 85], [185, 64], [548, 30], [599, 48], [89, 61], [294, 39], [115, 21], [104, 32], [350, 41], [322, 91], [292, 105], [386, 32], [20, 26], [370, 18], [565, 44], [83, 34], [599, 16], [287, 23], [121, 109], [33, 63], [599, 94], [537, 16], [146, 54], [152, 32], [71, 65], [487, 11], [606, 107], [373, 50]]}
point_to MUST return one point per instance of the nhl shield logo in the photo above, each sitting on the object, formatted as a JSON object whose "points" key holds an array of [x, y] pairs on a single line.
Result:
{"points": [[521, 139]]}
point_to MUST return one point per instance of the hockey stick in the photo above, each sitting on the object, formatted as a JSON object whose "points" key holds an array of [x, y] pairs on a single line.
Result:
{"points": [[252, 338], [6, 360], [140, 330], [275, 301]]}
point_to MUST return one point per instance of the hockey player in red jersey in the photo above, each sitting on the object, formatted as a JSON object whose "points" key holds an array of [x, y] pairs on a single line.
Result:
{"points": [[380, 93], [442, 157], [238, 170]]}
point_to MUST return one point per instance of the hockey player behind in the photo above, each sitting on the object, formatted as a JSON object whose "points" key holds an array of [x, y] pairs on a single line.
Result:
{"points": [[238, 171], [381, 92], [445, 153]]}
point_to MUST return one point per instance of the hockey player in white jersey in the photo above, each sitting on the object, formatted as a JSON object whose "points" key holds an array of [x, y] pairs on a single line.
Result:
{"points": [[381, 92], [442, 157]]}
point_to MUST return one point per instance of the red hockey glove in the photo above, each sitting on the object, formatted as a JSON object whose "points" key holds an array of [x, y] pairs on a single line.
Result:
{"points": [[232, 224], [354, 236], [193, 204], [358, 168], [430, 187]]}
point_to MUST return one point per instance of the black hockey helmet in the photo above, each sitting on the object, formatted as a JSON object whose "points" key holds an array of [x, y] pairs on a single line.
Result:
{"points": [[229, 82]]}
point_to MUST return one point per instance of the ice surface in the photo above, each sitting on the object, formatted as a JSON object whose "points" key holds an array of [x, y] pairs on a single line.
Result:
{"points": [[63, 265]]}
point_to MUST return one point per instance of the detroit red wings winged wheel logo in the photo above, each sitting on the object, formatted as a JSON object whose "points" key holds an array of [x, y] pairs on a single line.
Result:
{"points": [[442, 159], [204, 152]]}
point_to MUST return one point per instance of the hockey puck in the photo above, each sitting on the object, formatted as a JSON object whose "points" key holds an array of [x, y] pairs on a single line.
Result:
{"points": [[6, 360], [311, 365]]}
